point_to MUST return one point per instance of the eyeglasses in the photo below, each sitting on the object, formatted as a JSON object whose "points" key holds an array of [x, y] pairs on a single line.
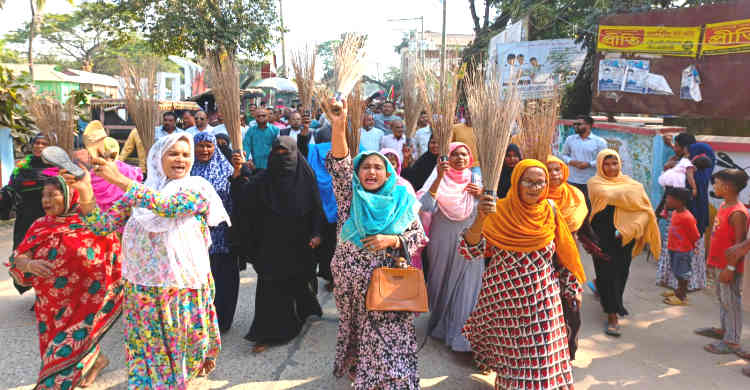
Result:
{"points": [[534, 185]]}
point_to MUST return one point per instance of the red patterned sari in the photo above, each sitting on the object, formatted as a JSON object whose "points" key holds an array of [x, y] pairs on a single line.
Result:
{"points": [[77, 306]]}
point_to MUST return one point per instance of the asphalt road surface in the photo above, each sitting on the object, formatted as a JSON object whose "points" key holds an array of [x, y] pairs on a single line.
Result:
{"points": [[657, 350]]}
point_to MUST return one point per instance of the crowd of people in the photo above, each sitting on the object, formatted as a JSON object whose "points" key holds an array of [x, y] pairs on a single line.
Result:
{"points": [[503, 273]]}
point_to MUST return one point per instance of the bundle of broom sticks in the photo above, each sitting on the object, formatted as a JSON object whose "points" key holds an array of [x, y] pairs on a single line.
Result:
{"points": [[225, 76], [141, 97], [410, 94], [538, 123], [493, 112], [440, 103], [55, 119], [303, 63]]}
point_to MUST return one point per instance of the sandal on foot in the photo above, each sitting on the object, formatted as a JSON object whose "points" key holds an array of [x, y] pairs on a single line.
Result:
{"points": [[674, 301], [714, 333], [668, 293], [720, 348], [612, 330]]}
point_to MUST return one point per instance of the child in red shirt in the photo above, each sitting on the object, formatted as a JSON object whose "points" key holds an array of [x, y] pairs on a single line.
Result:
{"points": [[730, 230], [683, 233]]}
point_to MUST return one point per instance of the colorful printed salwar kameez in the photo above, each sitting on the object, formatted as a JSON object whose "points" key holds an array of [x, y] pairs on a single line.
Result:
{"points": [[78, 305]]}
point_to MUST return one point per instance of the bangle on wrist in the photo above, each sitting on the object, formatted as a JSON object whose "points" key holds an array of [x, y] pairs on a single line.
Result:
{"points": [[731, 268]]}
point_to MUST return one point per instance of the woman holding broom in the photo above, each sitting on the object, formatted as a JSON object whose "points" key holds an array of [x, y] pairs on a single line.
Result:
{"points": [[450, 195], [376, 350], [530, 249]]}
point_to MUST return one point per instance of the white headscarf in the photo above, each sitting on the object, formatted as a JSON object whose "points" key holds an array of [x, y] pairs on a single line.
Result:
{"points": [[176, 247]]}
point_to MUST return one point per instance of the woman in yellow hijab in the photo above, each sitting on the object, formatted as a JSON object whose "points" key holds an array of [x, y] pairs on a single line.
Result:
{"points": [[623, 222], [521, 300], [569, 200]]}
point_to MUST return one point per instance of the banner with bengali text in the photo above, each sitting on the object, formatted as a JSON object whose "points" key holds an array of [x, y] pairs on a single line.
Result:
{"points": [[675, 41], [726, 38]]}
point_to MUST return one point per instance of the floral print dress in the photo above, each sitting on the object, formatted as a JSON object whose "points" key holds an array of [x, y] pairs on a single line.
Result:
{"points": [[169, 332], [378, 349], [517, 328]]}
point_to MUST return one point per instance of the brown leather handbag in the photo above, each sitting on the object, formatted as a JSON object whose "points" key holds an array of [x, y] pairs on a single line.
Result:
{"points": [[397, 288]]}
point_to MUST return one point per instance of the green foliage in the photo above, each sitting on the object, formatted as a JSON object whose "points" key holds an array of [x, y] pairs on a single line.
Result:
{"points": [[81, 35], [13, 113], [199, 27], [80, 100], [9, 56], [327, 54]]}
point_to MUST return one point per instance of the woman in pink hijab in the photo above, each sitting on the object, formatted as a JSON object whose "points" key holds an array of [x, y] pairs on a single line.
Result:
{"points": [[451, 194]]}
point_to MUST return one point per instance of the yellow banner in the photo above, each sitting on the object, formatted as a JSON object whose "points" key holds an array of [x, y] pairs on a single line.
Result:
{"points": [[676, 41], [726, 38]]}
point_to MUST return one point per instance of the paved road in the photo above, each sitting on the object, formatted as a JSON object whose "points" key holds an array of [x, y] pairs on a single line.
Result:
{"points": [[657, 349]]}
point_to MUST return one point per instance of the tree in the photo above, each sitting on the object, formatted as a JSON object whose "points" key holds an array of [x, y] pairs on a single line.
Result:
{"points": [[37, 8], [80, 35], [8, 56], [326, 52], [13, 114]]}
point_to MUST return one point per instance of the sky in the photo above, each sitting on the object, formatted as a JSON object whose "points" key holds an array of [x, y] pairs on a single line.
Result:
{"points": [[315, 21]]}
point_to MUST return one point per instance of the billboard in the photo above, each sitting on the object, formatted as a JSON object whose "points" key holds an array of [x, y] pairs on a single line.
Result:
{"points": [[676, 41], [537, 67]]}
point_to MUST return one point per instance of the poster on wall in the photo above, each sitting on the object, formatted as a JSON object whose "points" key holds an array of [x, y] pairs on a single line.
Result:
{"points": [[676, 41], [726, 38], [537, 67], [631, 76]]}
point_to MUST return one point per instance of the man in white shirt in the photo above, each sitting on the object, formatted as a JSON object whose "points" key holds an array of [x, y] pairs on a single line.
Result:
{"points": [[295, 127], [580, 151], [422, 136], [168, 125], [396, 140], [201, 124], [369, 136]]}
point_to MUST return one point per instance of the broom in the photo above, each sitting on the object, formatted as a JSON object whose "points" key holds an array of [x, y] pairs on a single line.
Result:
{"points": [[493, 112], [538, 122], [410, 94], [440, 105], [303, 63], [141, 97], [349, 64], [355, 105], [223, 69], [54, 119]]}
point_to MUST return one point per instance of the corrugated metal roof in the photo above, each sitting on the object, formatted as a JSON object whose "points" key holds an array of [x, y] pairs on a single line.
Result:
{"points": [[42, 72], [94, 78]]}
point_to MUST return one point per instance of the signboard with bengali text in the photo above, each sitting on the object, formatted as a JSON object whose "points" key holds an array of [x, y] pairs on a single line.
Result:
{"points": [[675, 41], [726, 38]]}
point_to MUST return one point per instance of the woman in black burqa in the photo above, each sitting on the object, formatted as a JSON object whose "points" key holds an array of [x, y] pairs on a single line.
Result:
{"points": [[279, 218]]}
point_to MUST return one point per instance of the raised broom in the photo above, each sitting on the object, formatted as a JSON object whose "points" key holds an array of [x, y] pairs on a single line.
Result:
{"points": [[493, 112], [141, 97]]}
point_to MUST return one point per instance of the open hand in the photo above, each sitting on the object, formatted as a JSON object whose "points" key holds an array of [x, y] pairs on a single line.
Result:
{"points": [[379, 242], [474, 189], [41, 268]]}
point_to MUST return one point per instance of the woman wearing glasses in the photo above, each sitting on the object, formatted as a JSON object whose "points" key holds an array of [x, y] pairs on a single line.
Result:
{"points": [[517, 328]]}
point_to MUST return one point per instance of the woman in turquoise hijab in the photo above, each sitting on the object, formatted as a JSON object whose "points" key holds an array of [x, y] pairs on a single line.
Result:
{"points": [[374, 349]]}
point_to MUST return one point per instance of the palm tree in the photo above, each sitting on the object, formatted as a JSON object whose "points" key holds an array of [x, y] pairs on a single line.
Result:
{"points": [[37, 8]]}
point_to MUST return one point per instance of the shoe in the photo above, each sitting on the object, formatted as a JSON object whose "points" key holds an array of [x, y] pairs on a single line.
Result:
{"points": [[592, 287], [668, 293], [675, 301], [612, 330], [55, 155]]}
